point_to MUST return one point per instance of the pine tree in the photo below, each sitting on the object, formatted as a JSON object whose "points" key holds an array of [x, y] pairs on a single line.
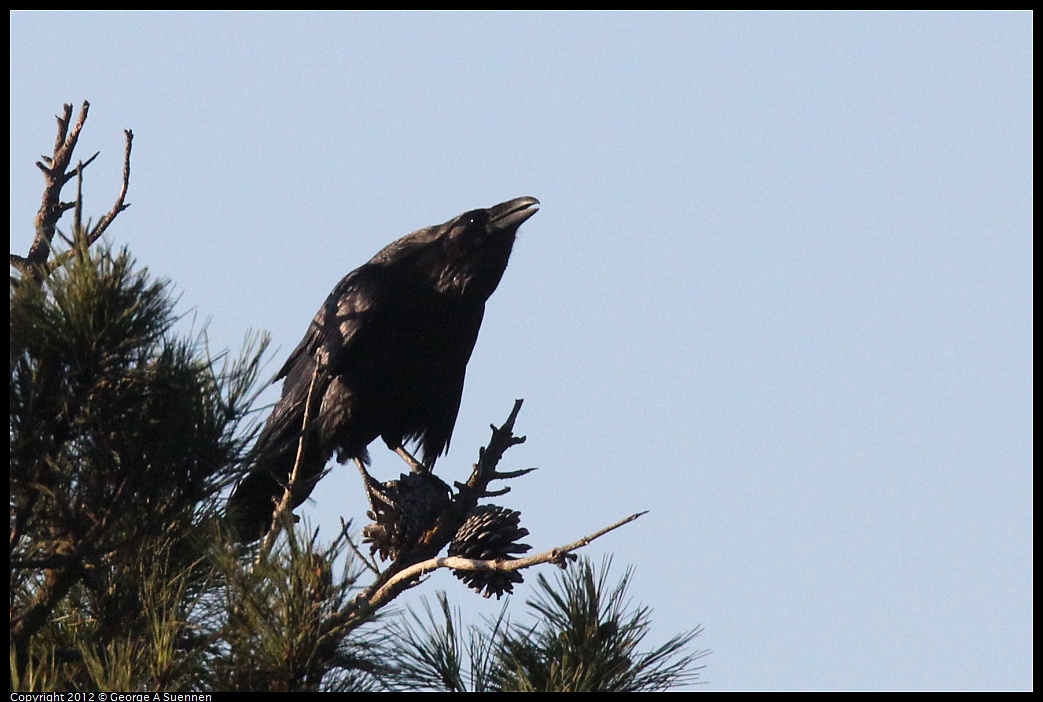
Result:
{"points": [[583, 636], [125, 437]]}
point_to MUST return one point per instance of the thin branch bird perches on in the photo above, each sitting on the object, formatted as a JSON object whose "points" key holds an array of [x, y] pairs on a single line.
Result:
{"points": [[284, 508], [407, 570]]}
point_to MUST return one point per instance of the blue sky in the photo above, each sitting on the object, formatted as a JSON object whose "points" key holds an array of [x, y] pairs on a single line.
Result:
{"points": [[779, 291]]}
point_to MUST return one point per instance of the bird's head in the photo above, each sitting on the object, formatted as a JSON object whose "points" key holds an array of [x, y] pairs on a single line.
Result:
{"points": [[477, 245], [463, 258]]}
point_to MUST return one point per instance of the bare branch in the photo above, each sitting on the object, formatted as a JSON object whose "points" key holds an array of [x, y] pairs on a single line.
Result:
{"points": [[496, 493], [389, 584], [77, 212], [63, 125], [285, 507], [505, 475], [51, 209], [99, 229], [370, 564], [408, 569], [502, 439], [120, 205], [56, 170], [557, 555]]}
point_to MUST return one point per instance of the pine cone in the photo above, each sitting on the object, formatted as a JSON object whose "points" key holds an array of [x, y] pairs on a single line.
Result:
{"points": [[490, 533], [404, 510]]}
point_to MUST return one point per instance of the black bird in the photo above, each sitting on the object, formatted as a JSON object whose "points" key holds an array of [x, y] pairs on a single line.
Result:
{"points": [[384, 357]]}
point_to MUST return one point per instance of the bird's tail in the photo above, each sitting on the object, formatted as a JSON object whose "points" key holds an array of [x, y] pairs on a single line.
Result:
{"points": [[251, 506]]}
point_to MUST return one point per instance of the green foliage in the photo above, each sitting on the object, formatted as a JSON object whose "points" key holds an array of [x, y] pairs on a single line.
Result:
{"points": [[585, 638], [132, 627], [278, 620], [123, 437], [109, 409], [432, 653]]}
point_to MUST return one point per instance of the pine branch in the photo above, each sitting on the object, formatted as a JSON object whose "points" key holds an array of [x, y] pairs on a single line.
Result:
{"points": [[408, 568], [560, 556]]}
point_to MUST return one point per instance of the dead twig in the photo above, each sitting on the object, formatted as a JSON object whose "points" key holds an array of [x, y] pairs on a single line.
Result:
{"points": [[56, 170], [285, 507], [559, 555], [408, 569], [370, 564]]}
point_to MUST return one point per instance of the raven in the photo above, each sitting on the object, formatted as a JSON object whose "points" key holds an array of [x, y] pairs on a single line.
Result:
{"points": [[384, 357]]}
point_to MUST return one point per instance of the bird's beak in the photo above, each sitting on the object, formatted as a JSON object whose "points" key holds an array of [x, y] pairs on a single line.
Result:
{"points": [[511, 214]]}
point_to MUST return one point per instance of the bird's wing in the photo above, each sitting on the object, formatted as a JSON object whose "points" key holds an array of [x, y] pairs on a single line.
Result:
{"points": [[332, 338], [355, 304], [332, 343]]}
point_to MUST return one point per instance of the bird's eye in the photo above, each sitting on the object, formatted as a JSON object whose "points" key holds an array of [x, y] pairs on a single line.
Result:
{"points": [[471, 227], [477, 219]]}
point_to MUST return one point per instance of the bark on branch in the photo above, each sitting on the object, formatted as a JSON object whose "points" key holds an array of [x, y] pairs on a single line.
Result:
{"points": [[57, 171], [407, 570], [559, 555]]}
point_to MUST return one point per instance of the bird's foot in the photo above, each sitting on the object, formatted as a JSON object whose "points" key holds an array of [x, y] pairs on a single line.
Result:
{"points": [[372, 485], [414, 465]]}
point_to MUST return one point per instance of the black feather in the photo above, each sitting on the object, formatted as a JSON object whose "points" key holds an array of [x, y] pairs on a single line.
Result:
{"points": [[388, 352]]}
